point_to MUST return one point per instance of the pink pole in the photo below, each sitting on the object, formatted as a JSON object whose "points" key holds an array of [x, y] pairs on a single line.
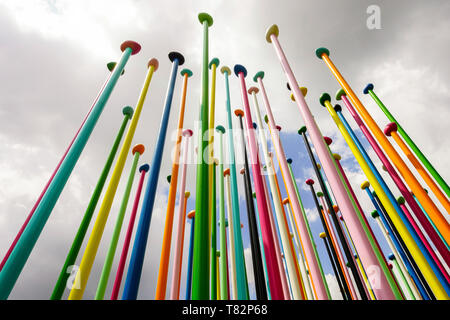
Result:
{"points": [[276, 289], [311, 262], [176, 270], [367, 256]]}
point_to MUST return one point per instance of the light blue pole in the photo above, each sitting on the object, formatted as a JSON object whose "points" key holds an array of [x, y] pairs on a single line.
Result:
{"points": [[189, 270], [140, 242], [19, 256]]}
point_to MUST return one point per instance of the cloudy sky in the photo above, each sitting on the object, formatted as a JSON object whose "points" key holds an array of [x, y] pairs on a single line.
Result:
{"points": [[54, 55]]}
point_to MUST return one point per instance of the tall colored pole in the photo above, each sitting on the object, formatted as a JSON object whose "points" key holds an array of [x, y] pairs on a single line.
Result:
{"points": [[402, 276], [369, 90], [233, 276], [222, 224], [289, 255], [391, 130], [183, 196], [61, 283], [213, 238], [126, 243], [161, 284], [110, 66], [191, 215], [140, 242], [97, 231], [101, 288], [437, 217], [22, 250], [333, 264], [200, 272]]}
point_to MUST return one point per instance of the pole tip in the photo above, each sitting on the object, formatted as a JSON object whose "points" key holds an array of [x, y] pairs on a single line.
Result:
{"points": [[187, 194], [266, 118], [318, 166], [339, 94], [187, 72], [139, 148], [112, 65], [220, 128], [401, 200], [336, 210], [374, 214], [187, 133], [303, 90], [218, 253], [337, 108], [144, 167], [278, 127], [153, 62], [288, 86], [259, 74], [391, 257], [254, 194], [133, 45], [390, 128], [226, 172], [384, 168], [191, 214], [169, 178], [302, 130], [285, 201], [253, 89], [337, 157], [321, 51], [368, 88], [323, 98], [239, 113], [328, 140], [254, 125], [225, 69], [365, 185], [204, 17], [238, 68], [176, 55], [319, 194], [341, 218], [242, 171], [272, 30], [128, 111], [289, 160], [322, 235], [309, 182], [214, 61]]}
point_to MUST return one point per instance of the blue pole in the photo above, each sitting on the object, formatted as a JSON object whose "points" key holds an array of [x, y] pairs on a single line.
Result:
{"points": [[189, 270], [140, 242]]}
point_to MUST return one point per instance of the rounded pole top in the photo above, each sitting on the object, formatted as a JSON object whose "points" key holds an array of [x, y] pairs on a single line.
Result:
{"points": [[339, 94], [391, 257], [112, 65], [253, 89], [217, 253], [318, 166], [341, 218], [191, 214], [309, 182], [216, 161], [302, 130], [321, 51], [368, 88], [133, 45], [153, 62], [204, 17], [390, 128], [336, 209], [187, 72], [254, 194], [384, 168], [238, 68], [214, 61], [176, 55], [139, 148], [272, 30], [285, 201], [328, 140], [337, 157], [128, 111], [259, 74], [242, 226], [324, 97], [242, 171], [319, 194], [187, 194], [169, 178], [187, 133], [390, 265], [374, 214], [239, 112], [145, 167], [266, 118], [254, 125], [278, 127], [322, 235], [288, 86], [303, 90], [401, 200], [220, 128], [365, 185], [289, 160], [226, 172], [225, 69], [337, 108]]}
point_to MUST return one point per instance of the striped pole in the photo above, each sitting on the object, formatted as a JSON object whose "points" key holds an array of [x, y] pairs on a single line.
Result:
{"points": [[110, 66], [140, 242], [183, 197], [61, 283], [191, 215], [161, 284], [369, 90], [233, 276], [200, 275], [137, 151], [126, 244], [22, 250]]}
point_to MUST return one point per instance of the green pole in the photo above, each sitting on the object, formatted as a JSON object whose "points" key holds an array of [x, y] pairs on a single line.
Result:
{"points": [[213, 235], [369, 90], [60, 285]]}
